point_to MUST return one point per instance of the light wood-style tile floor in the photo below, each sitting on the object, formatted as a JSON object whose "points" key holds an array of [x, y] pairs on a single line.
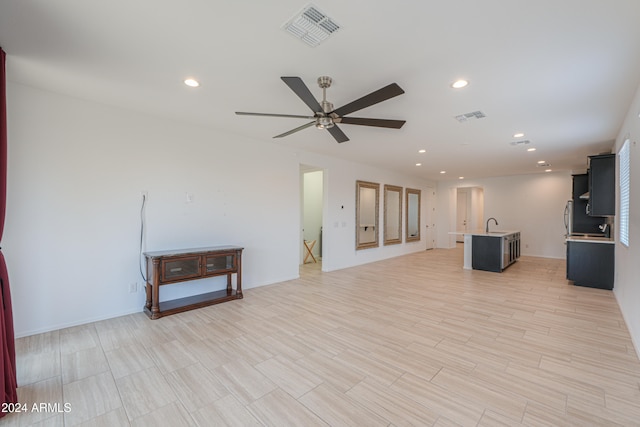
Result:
{"points": [[414, 340]]}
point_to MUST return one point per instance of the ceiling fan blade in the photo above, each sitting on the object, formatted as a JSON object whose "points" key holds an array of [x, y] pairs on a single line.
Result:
{"points": [[337, 133], [381, 123], [295, 116], [299, 128], [297, 85], [379, 95]]}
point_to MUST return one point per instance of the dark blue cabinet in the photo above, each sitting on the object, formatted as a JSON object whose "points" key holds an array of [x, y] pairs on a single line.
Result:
{"points": [[591, 264], [486, 253], [602, 185]]}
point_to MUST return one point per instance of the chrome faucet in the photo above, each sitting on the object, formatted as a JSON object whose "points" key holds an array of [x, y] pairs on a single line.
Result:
{"points": [[492, 218]]}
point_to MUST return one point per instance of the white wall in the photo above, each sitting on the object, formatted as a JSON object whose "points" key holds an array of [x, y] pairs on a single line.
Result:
{"points": [[75, 179], [533, 204], [627, 285], [75, 175]]}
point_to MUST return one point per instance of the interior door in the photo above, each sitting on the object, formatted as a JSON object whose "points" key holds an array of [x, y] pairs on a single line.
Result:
{"points": [[462, 213], [429, 215], [430, 236]]}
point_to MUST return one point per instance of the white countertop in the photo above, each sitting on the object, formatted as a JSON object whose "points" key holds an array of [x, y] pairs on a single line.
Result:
{"points": [[591, 239], [491, 233]]}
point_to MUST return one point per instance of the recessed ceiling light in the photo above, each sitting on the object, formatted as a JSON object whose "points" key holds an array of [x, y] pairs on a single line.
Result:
{"points": [[443, 171], [548, 170], [192, 82], [422, 151], [518, 135], [418, 164], [459, 84], [541, 162], [461, 177], [531, 149]]}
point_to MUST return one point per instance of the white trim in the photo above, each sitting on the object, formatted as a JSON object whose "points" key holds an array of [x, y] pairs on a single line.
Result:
{"points": [[624, 180]]}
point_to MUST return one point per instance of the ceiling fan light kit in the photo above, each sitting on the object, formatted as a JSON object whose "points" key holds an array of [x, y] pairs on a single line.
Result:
{"points": [[326, 117], [324, 123]]}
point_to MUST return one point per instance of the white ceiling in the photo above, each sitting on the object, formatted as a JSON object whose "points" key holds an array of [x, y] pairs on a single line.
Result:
{"points": [[563, 72]]}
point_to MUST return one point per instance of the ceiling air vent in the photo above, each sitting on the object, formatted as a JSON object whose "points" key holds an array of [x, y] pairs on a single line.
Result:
{"points": [[311, 26], [523, 142], [470, 116]]}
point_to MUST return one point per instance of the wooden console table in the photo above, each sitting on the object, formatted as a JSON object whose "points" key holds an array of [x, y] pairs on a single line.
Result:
{"points": [[173, 266]]}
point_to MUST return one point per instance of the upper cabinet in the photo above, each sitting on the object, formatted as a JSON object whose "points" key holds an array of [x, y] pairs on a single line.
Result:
{"points": [[602, 185]]}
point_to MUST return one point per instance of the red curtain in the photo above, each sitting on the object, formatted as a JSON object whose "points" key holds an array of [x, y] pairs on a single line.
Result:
{"points": [[7, 343]]}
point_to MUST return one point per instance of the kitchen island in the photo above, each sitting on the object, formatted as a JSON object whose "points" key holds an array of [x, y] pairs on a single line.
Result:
{"points": [[490, 250]]}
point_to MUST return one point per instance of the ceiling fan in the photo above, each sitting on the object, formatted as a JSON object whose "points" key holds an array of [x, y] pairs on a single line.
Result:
{"points": [[326, 117]]}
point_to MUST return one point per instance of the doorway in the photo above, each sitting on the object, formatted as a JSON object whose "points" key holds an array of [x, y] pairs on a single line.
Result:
{"points": [[463, 203], [429, 210], [312, 200], [469, 210]]}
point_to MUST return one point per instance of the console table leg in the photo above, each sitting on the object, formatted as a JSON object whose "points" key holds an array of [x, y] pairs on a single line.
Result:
{"points": [[155, 290], [239, 276], [147, 290]]}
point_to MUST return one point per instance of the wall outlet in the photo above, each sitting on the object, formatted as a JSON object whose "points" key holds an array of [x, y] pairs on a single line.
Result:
{"points": [[133, 288]]}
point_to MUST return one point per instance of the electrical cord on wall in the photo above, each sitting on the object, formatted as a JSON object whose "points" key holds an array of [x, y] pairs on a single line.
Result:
{"points": [[144, 201]]}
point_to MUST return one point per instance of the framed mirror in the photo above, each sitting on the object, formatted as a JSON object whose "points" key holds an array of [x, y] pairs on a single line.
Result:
{"points": [[367, 206], [392, 227], [413, 215]]}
